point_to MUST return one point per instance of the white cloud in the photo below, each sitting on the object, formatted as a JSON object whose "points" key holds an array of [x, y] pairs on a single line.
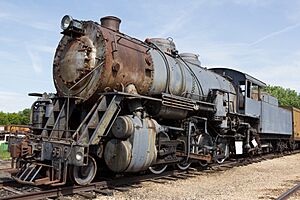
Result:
{"points": [[174, 25], [14, 102], [275, 33], [42, 48], [35, 60], [285, 76], [13, 14], [34, 51], [221, 53], [283, 72], [44, 26]]}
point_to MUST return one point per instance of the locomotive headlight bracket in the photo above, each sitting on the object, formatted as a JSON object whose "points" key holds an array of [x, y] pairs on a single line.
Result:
{"points": [[66, 22], [71, 26], [79, 156]]}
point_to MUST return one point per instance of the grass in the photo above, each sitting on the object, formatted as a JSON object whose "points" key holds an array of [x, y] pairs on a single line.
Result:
{"points": [[4, 154]]}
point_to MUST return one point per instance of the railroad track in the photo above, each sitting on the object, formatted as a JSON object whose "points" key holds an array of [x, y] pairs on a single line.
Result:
{"points": [[13, 190], [121, 184], [6, 164], [290, 192]]}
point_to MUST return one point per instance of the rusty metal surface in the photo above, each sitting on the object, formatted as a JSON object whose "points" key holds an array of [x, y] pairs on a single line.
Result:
{"points": [[79, 56], [111, 22], [37, 173], [121, 69], [16, 129], [108, 50], [19, 149], [195, 156], [296, 121], [15, 150], [79, 59]]}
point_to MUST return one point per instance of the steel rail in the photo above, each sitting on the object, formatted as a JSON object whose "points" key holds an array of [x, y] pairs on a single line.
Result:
{"points": [[69, 190], [55, 192], [288, 193]]}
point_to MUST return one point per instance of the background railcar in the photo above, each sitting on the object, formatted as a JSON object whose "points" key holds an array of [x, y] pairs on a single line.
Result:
{"points": [[296, 122]]}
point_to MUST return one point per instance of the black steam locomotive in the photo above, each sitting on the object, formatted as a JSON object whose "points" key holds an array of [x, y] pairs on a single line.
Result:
{"points": [[125, 105]]}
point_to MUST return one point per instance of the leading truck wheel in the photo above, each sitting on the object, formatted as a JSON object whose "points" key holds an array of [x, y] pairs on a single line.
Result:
{"points": [[83, 175], [222, 153], [158, 169], [184, 165]]}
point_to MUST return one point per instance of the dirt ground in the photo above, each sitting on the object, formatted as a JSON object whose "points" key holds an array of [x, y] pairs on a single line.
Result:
{"points": [[4, 175], [264, 180], [5, 164]]}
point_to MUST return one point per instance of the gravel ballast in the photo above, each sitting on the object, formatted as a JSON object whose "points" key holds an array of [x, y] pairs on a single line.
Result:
{"points": [[264, 180]]}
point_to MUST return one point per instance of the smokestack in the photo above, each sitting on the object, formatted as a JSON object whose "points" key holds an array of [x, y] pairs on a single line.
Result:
{"points": [[111, 22]]}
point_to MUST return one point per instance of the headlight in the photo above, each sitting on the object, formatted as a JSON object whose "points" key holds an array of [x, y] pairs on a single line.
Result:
{"points": [[70, 25], [79, 156], [66, 21]]}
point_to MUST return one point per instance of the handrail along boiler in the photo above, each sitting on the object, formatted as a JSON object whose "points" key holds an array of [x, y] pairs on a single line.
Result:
{"points": [[126, 105]]}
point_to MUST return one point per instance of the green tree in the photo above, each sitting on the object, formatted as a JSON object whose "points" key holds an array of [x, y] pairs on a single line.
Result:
{"points": [[24, 116], [20, 118], [3, 118], [286, 97], [13, 118]]}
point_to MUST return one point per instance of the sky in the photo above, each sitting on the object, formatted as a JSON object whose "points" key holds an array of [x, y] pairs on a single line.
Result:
{"points": [[258, 37]]}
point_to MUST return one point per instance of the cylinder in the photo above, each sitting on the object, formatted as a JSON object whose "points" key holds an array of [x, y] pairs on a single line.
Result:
{"points": [[136, 153], [122, 127], [117, 155]]}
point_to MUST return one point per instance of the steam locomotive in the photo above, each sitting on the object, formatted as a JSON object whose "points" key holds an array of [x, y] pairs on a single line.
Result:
{"points": [[126, 105]]}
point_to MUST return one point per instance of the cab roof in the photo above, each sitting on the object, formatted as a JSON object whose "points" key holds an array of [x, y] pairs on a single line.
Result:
{"points": [[237, 75]]}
